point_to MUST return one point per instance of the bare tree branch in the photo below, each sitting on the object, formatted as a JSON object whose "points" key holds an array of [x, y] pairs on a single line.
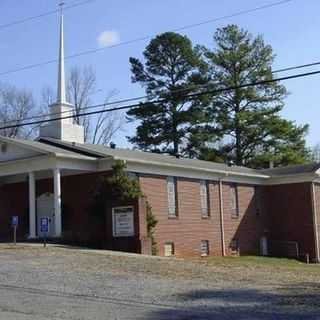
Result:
{"points": [[81, 86], [15, 106]]}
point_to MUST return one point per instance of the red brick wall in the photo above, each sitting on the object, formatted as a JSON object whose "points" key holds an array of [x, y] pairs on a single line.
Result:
{"points": [[14, 201], [290, 215], [189, 228], [285, 211], [77, 194], [249, 226], [78, 226]]}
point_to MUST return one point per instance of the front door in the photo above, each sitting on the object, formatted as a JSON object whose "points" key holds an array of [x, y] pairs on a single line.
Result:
{"points": [[45, 208]]}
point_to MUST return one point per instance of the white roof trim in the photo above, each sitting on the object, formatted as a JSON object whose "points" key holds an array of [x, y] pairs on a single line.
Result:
{"points": [[22, 145], [76, 156], [46, 162], [222, 172]]}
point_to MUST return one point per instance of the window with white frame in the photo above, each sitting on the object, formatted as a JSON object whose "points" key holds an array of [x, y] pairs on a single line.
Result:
{"points": [[234, 201], [204, 198], [172, 196], [168, 249], [204, 247]]}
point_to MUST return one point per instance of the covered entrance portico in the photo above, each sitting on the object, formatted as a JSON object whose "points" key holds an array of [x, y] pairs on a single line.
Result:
{"points": [[29, 163], [46, 205]]}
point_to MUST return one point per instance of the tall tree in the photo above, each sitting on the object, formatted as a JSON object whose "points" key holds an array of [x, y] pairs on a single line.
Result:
{"points": [[15, 106], [81, 87], [244, 125], [170, 71]]}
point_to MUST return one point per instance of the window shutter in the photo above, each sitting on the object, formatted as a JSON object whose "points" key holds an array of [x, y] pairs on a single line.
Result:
{"points": [[171, 190], [204, 198]]}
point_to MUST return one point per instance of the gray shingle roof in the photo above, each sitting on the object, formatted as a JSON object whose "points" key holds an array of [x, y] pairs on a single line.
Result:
{"points": [[155, 157], [40, 147], [136, 155], [293, 169], [101, 151]]}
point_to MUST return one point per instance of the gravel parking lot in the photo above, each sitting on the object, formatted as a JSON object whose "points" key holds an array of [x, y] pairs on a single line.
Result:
{"points": [[70, 283]]}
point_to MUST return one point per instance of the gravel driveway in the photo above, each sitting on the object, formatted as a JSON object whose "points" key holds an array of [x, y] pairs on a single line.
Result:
{"points": [[68, 283]]}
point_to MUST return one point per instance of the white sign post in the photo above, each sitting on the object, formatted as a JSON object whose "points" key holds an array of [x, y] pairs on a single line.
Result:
{"points": [[123, 221]]}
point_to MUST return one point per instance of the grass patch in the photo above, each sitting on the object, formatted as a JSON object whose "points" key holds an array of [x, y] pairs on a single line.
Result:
{"points": [[258, 262]]}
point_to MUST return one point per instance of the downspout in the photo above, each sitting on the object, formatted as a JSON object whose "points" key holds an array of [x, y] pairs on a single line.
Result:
{"points": [[315, 222], [222, 216]]}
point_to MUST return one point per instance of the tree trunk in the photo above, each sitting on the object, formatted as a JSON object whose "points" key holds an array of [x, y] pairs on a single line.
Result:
{"points": [[175, 138]]}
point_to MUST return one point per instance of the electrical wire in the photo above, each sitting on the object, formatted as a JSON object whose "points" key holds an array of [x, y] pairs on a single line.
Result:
{"points": [[147, 37], [140, 104], [301, 66], [44, 14], [148, 97]]}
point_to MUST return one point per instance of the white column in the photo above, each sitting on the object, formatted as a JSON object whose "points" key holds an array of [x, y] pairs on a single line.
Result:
{"points": [[57, 202], [32, 205]]}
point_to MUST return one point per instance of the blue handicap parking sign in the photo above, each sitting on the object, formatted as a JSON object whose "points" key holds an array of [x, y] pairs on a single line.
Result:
{"points": [[14, 221], [44, 224]]}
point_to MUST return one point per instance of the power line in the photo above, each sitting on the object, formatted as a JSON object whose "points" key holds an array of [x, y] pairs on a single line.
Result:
{"points": [[301, 66], [44, 14], [146, 96], [236, 14], [147, 37], [190, 96]]}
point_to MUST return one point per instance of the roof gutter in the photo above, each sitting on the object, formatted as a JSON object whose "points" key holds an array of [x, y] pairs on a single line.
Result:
{"points": [[71, 156]]}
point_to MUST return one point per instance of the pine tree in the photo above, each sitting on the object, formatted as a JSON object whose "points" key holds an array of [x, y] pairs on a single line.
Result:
{"points": [[244, 126], [170, 71]]}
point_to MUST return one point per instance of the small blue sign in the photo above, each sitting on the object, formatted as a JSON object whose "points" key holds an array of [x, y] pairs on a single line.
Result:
{"points": [[14, 221], [44, 224]]}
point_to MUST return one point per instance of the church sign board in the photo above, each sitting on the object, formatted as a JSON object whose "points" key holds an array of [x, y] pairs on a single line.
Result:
{"points": [[123, 221]]}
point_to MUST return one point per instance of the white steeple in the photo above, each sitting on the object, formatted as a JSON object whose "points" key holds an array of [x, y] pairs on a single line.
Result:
{"points": [[62, 129], [61, 88]]}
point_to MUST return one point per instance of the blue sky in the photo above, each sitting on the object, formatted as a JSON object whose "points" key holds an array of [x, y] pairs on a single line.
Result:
{"points": [[292, 29]]}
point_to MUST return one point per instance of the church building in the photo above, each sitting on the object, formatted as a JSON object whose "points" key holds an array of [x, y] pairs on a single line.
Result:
{"points": [[202, 208]]}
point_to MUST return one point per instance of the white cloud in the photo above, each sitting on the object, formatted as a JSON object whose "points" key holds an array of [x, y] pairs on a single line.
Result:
{"points": [[108, 38]]}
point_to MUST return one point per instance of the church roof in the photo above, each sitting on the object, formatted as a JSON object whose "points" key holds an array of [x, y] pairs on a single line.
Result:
{"points": [[40, 147], [292, 169], [102, 151]]}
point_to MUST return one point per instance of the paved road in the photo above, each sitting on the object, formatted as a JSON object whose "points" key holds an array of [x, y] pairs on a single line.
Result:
{"points": [[59, 283]]}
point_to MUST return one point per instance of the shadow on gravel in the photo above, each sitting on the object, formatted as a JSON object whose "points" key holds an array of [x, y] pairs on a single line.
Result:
{"points": [[301, 301]]}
